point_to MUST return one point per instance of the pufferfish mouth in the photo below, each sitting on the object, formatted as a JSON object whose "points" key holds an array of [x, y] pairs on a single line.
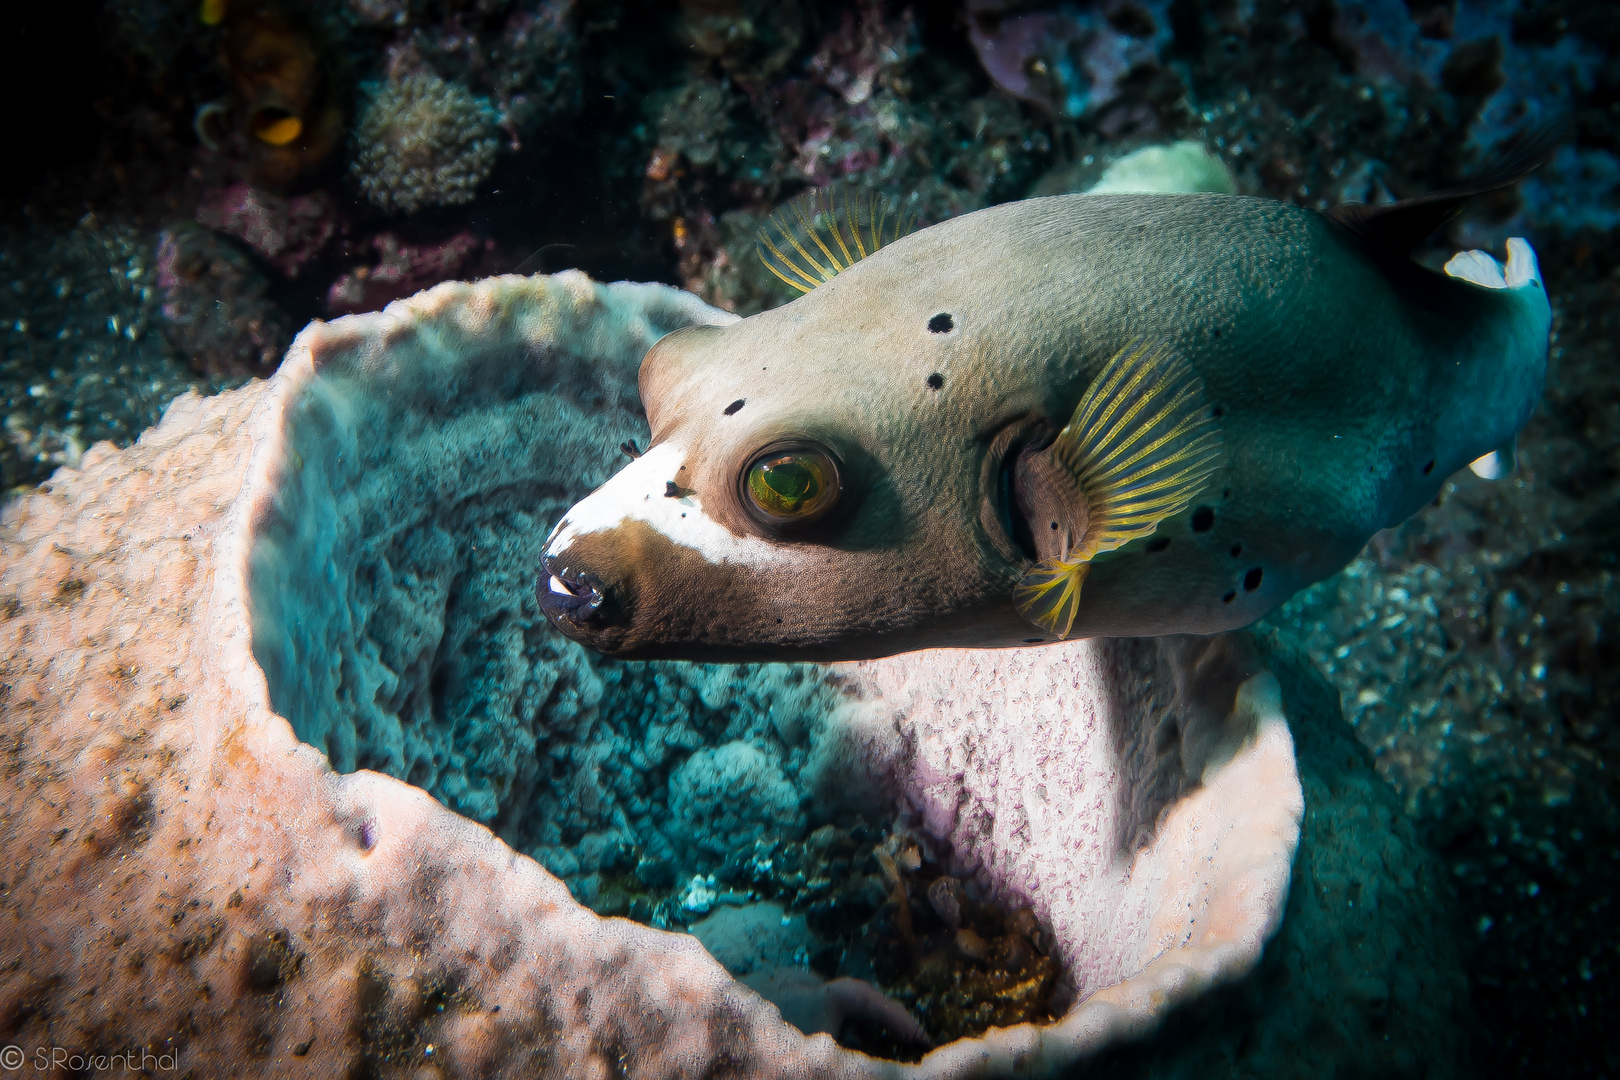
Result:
{"points": [[567, 596]]}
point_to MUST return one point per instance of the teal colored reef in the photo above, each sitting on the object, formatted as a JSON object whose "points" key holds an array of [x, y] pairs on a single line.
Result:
{"points": [[189, 182]]}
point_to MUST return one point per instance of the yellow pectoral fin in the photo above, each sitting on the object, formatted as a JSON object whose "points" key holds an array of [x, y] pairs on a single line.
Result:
{"points": [[1048, 594], [1142, 443], [1141, 446]]}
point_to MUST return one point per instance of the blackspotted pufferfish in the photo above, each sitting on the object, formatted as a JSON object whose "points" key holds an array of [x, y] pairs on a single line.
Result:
{"points": [[1075, 416]]}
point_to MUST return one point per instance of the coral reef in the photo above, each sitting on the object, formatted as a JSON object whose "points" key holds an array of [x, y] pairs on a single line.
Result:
{"points": [[420, 141], [1069, 61], [523, 58], [759, 935], [1182, 166], [866, 106]]}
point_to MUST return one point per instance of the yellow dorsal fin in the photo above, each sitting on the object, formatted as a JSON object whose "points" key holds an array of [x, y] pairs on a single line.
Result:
{"points": [[1141, 446], [815, 235]]}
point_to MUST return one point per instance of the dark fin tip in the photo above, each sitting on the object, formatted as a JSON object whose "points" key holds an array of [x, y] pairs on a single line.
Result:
{"points": [[1397, 228]]}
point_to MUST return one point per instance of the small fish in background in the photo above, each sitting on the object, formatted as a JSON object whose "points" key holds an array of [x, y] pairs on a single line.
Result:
{"points": [[1119, 414]]}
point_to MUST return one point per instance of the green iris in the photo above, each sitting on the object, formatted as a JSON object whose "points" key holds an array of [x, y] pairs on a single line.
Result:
{"points": [[793, 485]]}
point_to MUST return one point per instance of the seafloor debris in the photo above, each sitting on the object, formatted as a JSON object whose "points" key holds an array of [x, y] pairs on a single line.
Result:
{"points": [[79, 359], [866, 903]]}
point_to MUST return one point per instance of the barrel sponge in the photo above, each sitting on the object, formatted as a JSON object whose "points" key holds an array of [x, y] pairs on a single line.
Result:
{"points": [[185, 643], [723, 799], [421, 141]]}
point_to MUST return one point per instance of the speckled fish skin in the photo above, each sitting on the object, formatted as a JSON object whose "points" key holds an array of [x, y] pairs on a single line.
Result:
{"points": [[1347, 386]]}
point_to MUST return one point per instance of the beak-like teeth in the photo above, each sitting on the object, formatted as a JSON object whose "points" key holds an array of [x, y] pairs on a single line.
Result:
{"points": [[567, 598]]}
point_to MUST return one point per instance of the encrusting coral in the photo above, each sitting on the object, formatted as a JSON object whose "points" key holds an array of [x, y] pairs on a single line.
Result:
{"points": [[421, 141], [179, 620]]}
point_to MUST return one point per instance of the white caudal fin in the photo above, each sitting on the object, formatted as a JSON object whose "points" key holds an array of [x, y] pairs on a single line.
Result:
{"points": [[1498, 463], [1522, 268], [1481, 268]]}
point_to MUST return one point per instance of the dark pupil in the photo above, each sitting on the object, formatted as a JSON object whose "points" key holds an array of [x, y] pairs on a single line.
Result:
{"points": [[790, 480]]}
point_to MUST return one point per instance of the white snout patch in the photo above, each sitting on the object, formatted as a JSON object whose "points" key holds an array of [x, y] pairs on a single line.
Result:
{"points": [[639, 492]]}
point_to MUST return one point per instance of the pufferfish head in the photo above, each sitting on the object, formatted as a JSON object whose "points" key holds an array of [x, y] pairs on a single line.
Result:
{"points": [[825, 481]]}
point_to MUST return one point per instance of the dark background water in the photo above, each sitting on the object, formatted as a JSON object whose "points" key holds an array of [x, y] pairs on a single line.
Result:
{"points": [[158, 231]]}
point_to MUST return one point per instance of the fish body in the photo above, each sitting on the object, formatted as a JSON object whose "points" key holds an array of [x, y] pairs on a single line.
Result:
{"points": [[934, 375]]}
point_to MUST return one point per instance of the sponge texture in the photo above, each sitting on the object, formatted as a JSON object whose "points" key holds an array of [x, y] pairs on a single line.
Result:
{"points": [[724, 799], [396, 618]]}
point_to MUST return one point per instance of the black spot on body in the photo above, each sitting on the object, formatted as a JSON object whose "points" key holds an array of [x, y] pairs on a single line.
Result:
{"points": [[731, 409], [1033, 640], [1251, 580], [1157, 544], [936, 381], [1237, 549], [1429, 467], [1229, 597], [1203, 519], [941, 323]]}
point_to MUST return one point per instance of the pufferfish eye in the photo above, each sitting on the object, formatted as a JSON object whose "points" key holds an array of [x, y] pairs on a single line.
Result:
{"points": [[791, 484]]}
